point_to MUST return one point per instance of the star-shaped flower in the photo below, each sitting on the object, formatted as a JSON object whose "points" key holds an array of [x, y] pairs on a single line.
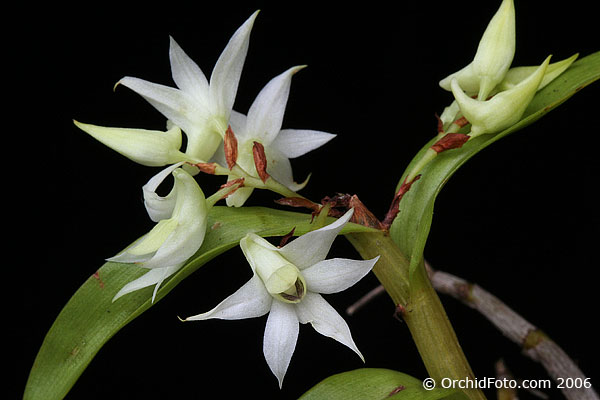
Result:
{"points": [[287, 284], [263, 125], [199, 107]]}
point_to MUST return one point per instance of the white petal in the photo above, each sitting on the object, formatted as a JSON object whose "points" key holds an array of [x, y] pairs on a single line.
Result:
{"points": [[174, 104], [190, 211], [219, 156], [314, 309], [313, 247], [281, 334], [159, 207], [337, 274], [228, 69], [295, 142], [154, 276], [265, 115], [187, 75], [279, 166], [126, 257], [239, 197], [250, 301]]}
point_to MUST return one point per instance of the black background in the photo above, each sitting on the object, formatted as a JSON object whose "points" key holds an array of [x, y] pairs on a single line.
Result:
{"points": [[520, 218]]}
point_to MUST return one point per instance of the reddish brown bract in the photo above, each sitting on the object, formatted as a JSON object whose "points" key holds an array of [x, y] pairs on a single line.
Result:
{"points": [[239, 182], [207, 168], [230, 146], [395, 206], [260, 161], [450, 141]]}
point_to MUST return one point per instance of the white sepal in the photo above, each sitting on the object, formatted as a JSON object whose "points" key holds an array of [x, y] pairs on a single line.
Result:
{"points": [[154, 276], [226, 75], [250, 301], [281, 334], [312, 247], [294, 143], [186, 74], [336, 274], [265, 115], [147, 147], [323, 317]]}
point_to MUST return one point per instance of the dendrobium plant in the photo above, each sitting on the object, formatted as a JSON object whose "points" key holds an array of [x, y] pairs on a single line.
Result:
{"points": [[287, 283], [253, 151]]}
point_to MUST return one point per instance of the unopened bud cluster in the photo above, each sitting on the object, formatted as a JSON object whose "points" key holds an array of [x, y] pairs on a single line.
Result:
{"points": [[489, 94]]}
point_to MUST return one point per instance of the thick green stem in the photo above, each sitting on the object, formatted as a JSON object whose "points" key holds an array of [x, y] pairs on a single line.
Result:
{"points": [[420, 307], [434, 336], [392, 267]]}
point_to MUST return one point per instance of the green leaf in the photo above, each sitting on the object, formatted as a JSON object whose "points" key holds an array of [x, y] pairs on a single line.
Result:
{"points": [[90, 318], [411, 228], [376, 384]]}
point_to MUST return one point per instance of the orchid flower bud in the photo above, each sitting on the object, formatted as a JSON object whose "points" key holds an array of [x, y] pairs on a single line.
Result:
{"points": [[502, 110], [493, 58], [449, 114], [518, 74], [147, 147]]}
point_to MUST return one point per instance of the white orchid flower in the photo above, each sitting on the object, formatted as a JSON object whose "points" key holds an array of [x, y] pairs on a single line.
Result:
{"points": [[493, 57], [181, 226], [147, 147], [263, 125], [287, 284], [201, 109]]}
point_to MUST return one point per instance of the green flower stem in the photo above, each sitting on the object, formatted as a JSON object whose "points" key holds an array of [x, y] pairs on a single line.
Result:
{"points": [[252, 181], [221, 194], [429, 155], [392, 267], [420, 306], [274, 186]]}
